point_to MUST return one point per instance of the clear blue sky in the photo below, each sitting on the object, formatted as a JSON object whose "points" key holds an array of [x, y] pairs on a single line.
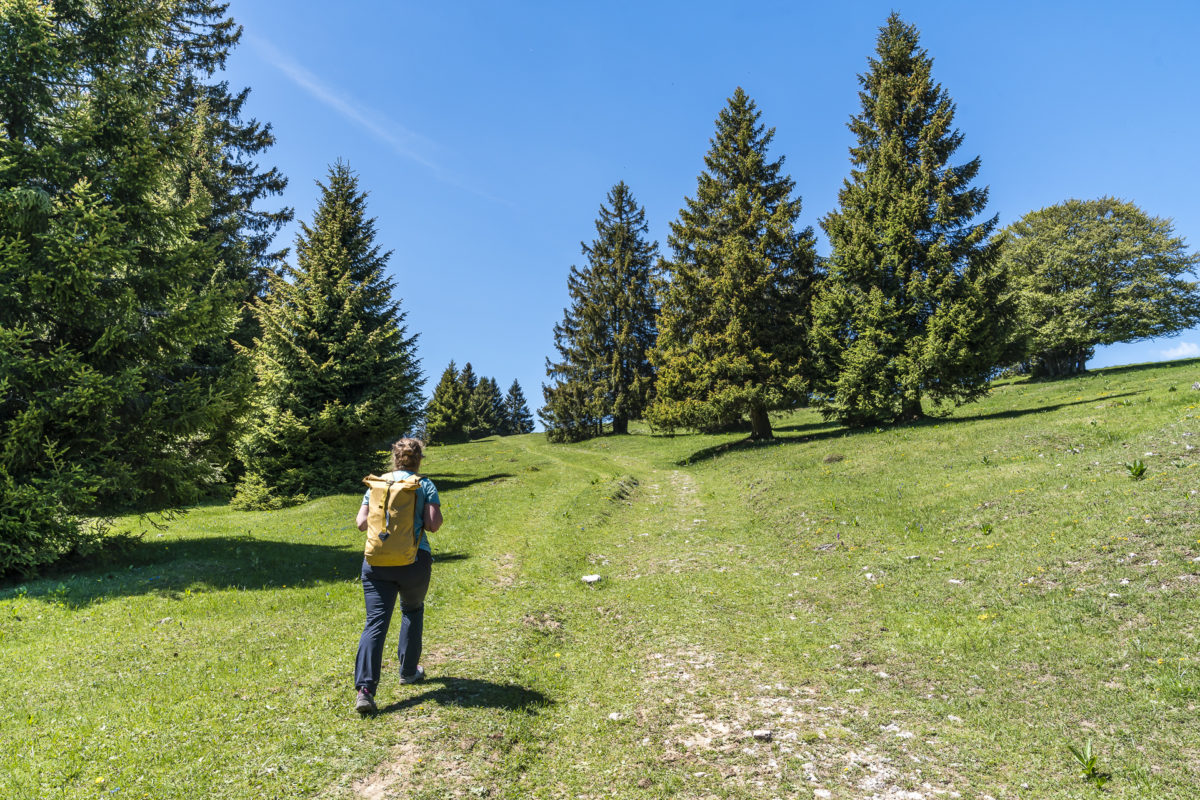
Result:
{"points": [[488, 133]]}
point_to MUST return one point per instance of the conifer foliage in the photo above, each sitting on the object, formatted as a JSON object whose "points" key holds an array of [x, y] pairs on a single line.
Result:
{"points": [[603, 372], [487, 409], [337, 374], [913, 304], [108, 286], [448, 412], [517, 418], [733, 325]]}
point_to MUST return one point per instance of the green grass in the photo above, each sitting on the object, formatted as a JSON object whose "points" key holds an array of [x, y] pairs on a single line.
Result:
{"points": [[941, 607]]}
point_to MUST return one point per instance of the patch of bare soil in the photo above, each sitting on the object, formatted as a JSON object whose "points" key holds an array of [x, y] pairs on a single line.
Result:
{"points": [[753, 740], [506, 571], [417, 765]]}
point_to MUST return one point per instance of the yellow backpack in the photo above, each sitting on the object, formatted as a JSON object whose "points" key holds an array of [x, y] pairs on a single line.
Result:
{"points": [[392, 536]]}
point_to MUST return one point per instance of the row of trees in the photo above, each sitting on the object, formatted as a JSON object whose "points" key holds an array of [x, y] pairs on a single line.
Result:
{"points": [[464, 406], [920, 300]]}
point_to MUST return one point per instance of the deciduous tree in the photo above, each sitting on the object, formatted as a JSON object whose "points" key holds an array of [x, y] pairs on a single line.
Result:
{"points": [[1094, 272]]}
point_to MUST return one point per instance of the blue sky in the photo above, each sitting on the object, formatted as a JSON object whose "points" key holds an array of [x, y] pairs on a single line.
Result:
{"points": [[489, 133]]}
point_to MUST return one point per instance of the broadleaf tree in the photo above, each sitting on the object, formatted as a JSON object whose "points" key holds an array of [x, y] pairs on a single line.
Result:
{"points": [[337, 374], [1095, 272], [733, 324], [913, 305], [603, 371]]}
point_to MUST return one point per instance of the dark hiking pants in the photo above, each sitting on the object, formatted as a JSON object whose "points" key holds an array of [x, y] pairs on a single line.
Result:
{"points": [[381, 587]]}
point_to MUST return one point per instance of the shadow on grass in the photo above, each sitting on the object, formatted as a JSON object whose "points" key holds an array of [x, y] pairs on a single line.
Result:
{"points": [[473, 693], [174, 568], [448, 481], [823, 431]]}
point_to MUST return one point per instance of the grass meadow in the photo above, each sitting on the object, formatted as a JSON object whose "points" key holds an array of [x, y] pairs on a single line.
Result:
{"points": [[936, 610]]}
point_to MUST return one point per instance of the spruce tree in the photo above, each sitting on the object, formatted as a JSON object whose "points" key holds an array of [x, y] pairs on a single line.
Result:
{"points": [[913, 304], [1094, 272], [199, 38], [733, 325], [486, 408], [517, 418], [447, 413], [338, 378], [603, 370], [108, 286]]}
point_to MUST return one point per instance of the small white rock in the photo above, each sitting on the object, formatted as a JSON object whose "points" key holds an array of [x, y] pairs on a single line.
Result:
{"points": [[762, 734], [955, 581], [591, 578], [614, 716]]}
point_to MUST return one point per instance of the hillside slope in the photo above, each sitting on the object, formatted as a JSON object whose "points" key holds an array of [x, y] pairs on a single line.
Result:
{"points": [[909, 613]]}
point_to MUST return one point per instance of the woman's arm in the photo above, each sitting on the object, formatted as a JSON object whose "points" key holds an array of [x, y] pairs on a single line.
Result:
{"points": [[361, 522], [433, 517]]}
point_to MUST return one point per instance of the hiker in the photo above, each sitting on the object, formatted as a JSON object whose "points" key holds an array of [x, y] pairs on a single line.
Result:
{"points": [[389, 568]]}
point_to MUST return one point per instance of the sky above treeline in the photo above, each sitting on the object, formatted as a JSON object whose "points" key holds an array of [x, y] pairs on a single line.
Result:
{"points": [[488, 134]]}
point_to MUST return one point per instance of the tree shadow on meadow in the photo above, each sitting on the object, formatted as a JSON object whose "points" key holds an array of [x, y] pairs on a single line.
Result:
{"points": [[822, 431], [449, 481], [473, 693], [175, 568]]}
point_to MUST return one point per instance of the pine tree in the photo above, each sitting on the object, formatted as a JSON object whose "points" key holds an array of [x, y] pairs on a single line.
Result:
{"points": [[1093, 272], [913, 305], [484, 420], [337, 374], [517, 418], [107, 285], [604, 370], [733, 326], [447, 413]]}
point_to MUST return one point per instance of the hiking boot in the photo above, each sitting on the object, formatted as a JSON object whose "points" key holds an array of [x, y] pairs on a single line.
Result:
{"points": [[416, 677], [365, 704]]}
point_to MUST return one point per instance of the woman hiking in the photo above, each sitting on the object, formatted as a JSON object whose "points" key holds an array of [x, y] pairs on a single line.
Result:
{"points": [[392, 569]]}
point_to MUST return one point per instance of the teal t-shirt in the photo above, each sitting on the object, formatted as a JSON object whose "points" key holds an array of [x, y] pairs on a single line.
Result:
{"points": [[428, 493]]}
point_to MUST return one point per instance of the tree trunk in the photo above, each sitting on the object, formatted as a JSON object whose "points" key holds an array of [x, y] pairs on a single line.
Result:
{"points": [[760, 423], [911, 409], [620, 425], [1061, 363]]}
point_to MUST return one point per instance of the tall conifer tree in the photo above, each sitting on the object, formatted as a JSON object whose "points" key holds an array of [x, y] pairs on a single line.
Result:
{"points": [[913, 303], [199, 38], [486, 406], [108, 285], [603, 342], [517, 418], [733, 325], [338, 378], [448, 412]]}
